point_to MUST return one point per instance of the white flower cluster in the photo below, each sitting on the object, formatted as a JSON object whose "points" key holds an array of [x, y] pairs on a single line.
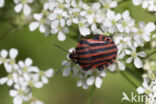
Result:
{"points": [[85, 79], [146, 4], [58, 15], [20, 5], [22, 77], [127, 42], [149, 83]]}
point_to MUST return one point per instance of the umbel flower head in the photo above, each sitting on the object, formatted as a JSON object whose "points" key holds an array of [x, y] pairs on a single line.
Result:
{"points": [[22, 77]]}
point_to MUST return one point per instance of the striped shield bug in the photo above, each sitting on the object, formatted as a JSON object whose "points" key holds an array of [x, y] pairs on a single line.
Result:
{"points": [[98, 52]]}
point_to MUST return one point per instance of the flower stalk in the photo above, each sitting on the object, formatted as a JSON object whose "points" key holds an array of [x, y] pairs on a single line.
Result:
{"points": [[90, 95]]}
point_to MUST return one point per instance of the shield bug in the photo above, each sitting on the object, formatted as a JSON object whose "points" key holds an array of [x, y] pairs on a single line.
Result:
{"points": [[98, 52]]}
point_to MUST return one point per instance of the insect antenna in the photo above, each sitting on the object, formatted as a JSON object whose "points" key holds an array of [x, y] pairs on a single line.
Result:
{"points": [[57, 72], [60, 48]]}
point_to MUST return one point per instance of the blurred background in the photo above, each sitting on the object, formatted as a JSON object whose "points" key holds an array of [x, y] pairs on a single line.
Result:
{"points": [[63, 90]]}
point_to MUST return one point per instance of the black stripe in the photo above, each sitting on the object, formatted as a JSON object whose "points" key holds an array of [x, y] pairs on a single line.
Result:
{"points": [[93, 44], [96, 57], [96, 50], [98, 62], [81, 48]]}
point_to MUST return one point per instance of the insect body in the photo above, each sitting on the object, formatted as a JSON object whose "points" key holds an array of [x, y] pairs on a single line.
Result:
{"points": [[98, 52]]}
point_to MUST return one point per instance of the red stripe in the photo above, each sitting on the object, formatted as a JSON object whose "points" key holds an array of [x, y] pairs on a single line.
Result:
{"points": [[82, 45], [99, 59], [95, 41], [95, 47], [98, 53]]}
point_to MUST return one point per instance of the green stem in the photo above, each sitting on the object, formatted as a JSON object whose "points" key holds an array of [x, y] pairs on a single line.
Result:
{"points": [[150, 54], [128, 79], [90, 95]]}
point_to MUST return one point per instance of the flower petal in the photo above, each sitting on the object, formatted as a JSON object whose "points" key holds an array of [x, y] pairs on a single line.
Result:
{"points": [[66, 72], [18, 100], [42, 28], [4, 53], [13, 53], [98, 82], [150, 27], [129, 60], [137, 2], [26, 9], [141, 54], [38, 84], [140, 90], [90, 80], [1, 3], [112, 67], [138, 62], [18, 7], [38, 16], [121, 65], [79, 83], [3, 80], [54, 24], [44, 79], [49, 73], [28, 62], [61, 36], [13, 93], [33, 26]]}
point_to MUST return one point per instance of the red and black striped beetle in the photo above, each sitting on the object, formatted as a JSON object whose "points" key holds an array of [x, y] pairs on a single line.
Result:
{"points": [[98, 52]]}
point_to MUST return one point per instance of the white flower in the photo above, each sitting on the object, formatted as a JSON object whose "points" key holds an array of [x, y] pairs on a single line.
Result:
{"points": [[152, 5], [40, 22], [13, 54], [111, 21], [73, 16], [23, 4], [45, 75], [19, 94], [109, 3], [27, 66], [83, 27], [123, 43], [144, 31], [2, 3], [118, 63], [134, 55], [148, 88], [3, 56], [10, 79], [58, 18], [96, 76], [90, 12], [137, 2], [127, 23], [68, 69]]}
